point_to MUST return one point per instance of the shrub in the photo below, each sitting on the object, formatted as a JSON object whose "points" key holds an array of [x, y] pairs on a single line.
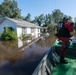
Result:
{"points": [[9, 34], [26, 36]]}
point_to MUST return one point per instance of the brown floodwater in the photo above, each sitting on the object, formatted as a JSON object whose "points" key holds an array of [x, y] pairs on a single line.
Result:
{"points": [[17, 58]]}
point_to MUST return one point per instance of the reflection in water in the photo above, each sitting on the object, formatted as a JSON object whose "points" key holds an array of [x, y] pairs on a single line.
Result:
{"points": [[20, 43], [46, 41], [13, 61], [8, 45]]}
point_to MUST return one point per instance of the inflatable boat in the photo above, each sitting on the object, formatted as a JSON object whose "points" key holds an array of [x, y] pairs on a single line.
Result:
{"points": [[71, 49], [50, 65]]}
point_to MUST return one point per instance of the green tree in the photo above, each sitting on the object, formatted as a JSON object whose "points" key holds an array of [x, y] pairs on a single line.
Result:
{"points": [[70, 18], [10, 9], [57, 16], [36, 20], [28, 17], [47, 19], [39, 20]]}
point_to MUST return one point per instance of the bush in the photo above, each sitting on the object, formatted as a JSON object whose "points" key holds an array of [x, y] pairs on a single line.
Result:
{"points": [[26, 36], [51, 28], [8, 34]]}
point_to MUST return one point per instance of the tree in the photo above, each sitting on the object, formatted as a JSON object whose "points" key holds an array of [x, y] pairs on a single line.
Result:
{"points": [[70, 18], [57, 16], [47, 19], [39, 20], [10, 9], [28, 17]]}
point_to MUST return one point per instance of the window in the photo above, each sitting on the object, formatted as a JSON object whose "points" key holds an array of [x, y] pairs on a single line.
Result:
{"points": [[38, 30], [32, 30], [9, 28], [24, 30]]}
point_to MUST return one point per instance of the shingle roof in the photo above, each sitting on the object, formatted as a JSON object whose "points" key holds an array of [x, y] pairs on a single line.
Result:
{"points": [[23, 23]]}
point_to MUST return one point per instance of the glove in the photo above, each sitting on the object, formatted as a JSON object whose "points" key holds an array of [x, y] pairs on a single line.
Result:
{"points": [[72, 33]]}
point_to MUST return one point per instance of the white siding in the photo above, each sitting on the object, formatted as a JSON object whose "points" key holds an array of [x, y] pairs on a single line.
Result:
{"points": [[7, 23], [28, 30], [33, 31], [19, 31], [24, 30], [37, 32]]}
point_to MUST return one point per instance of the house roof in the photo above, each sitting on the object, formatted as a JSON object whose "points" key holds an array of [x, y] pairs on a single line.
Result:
{"points": [[20, 22]]}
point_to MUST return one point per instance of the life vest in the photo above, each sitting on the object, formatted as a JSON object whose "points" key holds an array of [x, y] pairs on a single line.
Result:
{"points": [[62, 31]]}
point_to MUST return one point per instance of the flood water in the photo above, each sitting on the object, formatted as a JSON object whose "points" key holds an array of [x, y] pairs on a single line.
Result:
{"points": [[17, 58]]}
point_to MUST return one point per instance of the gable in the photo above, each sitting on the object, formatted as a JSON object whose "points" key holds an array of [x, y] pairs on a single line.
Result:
{"points": [[7, 23]]}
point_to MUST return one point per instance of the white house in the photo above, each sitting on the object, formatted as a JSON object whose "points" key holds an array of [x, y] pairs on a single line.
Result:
{"points": [[20, 26]]}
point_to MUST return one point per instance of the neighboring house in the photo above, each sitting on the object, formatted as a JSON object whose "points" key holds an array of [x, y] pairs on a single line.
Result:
{"points": [[44, 29], [20, 26]]}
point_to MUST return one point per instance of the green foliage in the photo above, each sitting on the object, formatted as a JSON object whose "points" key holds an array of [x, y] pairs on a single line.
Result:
{"points": [[51, 28], [9, 8], [57, 16], [47, 20], [23, 36], [8, 34], [26, 36], [70, 19], [28, 17], [39, 20]]}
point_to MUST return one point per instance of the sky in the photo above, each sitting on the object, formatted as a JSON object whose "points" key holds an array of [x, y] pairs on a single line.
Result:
{"points": [[38, 7]]}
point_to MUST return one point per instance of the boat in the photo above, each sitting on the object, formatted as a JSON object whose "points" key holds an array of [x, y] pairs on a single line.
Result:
{"points": [[49, 65], [71, 49]]}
